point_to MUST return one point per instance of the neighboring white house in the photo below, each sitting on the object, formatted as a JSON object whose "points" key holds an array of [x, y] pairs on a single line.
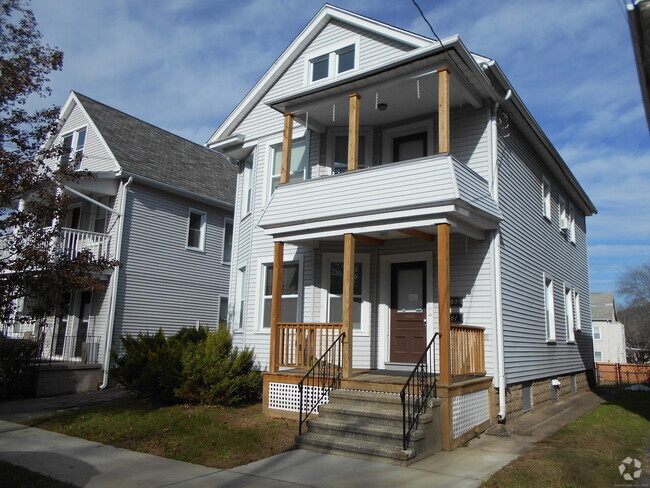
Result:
{"points": [[608, 332], [419, 166], [159, 204]]}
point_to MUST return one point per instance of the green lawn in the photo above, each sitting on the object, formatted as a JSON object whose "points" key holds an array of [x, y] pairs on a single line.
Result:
{"points": [[15, 476], [211, 436], [585, 453]]}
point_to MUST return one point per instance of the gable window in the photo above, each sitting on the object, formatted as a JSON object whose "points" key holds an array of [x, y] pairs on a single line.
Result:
{"points": [[337, 150], [549, 309], [196, 230], [73, 144], [227, 240], [596, 333], [333, 63], [569, 314], [546, 195], [333, 283], [299, 163], [290, 293]]}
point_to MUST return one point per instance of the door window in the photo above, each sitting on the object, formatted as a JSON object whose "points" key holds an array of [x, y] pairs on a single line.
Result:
{"points": [[412, 146]]}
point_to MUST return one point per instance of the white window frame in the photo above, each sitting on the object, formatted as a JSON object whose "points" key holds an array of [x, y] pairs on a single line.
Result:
{"points": [[596, 358], [569, 314], [261, 281], [76, 153], [597, 333], [334, 132], [331, 53], [572, 222], [247, 194], [389, 135], [563, 217], [546, 199], [227, 221], [270, 154], [549, 308], [576, 297], [364, 259], [240, 303], [204, 223]]}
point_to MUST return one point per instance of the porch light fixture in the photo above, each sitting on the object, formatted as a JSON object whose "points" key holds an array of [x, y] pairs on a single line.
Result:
{"points": [[382, 107]]}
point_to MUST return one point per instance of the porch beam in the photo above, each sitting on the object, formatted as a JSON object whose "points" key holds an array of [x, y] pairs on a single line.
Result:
{"points": [[444, 319], [368, 240], [443, 112], [276, 304], [287, 139], [348, 302], [418, 234], [353, 132]]}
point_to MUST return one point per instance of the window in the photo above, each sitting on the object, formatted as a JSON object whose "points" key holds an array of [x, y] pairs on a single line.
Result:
{"points": [[596, 333], [572, 223], [290, 293], [549, 309], [196, 230], [410, 141], [564, 218], [223, 310], [598, 356], [576, 297], [74, 145], [333, 63], [101, 216], [248, 187], [299, 163], [337, 149], [241, 293], [569, 314], [227, 240], [546, 195]]}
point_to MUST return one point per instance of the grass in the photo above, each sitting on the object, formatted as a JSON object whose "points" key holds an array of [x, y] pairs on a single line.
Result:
{"points": [[211, 436], [12, 476], [585, 453]]}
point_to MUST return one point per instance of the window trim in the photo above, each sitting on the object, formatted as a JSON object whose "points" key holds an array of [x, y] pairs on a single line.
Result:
{"points": [[331, 52], [569, 314], [248, 193], [204, 225], [576, 309], [334, 132], [596, 360], [74, 151], [389, 135], [562, 213], [549, 308], [334, 257], [226, 221], [239, 320], [572, 222], [221, 311], [547, 204], [270, 154], [594, 329]]}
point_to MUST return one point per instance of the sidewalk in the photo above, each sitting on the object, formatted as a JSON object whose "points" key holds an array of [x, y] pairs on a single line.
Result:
{"points": [[89, 464]]}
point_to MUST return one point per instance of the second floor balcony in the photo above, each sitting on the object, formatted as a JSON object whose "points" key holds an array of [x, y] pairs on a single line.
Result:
{"points": [[73, 241]]}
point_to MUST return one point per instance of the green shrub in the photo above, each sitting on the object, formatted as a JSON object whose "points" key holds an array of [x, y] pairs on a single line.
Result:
{"points": [[18, 358], [214, 373], [152, 364]]}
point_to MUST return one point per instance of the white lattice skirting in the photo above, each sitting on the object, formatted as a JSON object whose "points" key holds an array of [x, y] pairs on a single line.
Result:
{"points": [[284, 396], [468, 411]]}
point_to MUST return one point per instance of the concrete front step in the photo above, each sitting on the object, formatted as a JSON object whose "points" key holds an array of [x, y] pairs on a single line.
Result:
{"points": [[344, 428], [356, 448], [366, 414]]}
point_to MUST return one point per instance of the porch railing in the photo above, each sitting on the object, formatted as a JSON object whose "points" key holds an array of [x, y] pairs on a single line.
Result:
{"points": [[323, 377], [70, 349], [301, 344], [467, 350], [73, 241], [418, 389]]}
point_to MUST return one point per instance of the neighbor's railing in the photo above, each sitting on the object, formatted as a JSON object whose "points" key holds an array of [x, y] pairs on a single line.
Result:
{"points": [[323, 377], [418, 389], [301, 344], [70, 349], [467, 350], [73, 241]]}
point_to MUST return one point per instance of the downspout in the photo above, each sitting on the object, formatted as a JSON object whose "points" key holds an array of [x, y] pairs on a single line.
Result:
{"points": [[116, 274]]}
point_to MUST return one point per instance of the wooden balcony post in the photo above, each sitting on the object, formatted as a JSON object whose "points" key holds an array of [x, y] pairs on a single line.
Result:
{"points": [[286, 148], [276, 304], [353, 132], [443, 111], [348, 303], [444, 319]]}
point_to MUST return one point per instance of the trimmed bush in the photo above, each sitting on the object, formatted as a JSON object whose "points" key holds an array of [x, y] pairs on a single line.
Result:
{"points": [[18, 358], [216, 374]]}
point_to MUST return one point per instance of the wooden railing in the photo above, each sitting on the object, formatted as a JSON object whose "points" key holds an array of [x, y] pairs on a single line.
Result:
{"points": [[301, 344], [73, 241], [467, 350]]}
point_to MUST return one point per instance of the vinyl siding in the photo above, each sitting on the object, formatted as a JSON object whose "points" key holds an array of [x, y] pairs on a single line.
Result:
{"points": [[162, 284], [531, 247]]}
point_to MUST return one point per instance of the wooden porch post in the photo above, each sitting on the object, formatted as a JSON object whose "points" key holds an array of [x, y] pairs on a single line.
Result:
{"points": [[443, 111], [353, 133], [286, 148], [348, 303], [444, 319]]}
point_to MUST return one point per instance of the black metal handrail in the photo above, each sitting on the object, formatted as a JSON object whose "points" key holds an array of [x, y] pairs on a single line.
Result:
{"points": [[417, 390], [325, 374]]}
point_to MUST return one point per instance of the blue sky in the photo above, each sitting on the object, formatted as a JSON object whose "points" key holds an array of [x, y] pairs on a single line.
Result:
{"points": [[184, 64]]}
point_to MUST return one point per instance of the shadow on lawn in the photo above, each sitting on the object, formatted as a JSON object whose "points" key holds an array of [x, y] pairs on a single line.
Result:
{"points": [[637, 402]]}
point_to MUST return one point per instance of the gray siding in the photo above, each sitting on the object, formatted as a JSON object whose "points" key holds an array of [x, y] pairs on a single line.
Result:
{"points": [[532, 246], [162, 284]]}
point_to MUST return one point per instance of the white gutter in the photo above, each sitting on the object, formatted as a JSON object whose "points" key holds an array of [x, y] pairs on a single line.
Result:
{"points": [[116, 274]]}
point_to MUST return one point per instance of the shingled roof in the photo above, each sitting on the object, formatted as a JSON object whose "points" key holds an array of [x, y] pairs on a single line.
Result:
{"points": [[145, 150], [603, 307]]}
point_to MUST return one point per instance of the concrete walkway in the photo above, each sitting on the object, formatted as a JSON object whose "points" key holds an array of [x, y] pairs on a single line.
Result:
{"points": [[89, 464]]}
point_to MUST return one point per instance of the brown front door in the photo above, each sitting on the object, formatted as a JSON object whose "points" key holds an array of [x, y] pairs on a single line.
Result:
{"points": [[408, 311]]}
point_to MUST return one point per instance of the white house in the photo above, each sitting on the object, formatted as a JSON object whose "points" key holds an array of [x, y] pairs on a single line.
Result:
{"points": [[608, 332], [398, 204]]}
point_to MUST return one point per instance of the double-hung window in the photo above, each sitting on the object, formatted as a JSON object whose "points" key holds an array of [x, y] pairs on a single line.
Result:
{"points": [[248, 187], [196, 222], [572, 222], [290, 293], [333, 283], [563, 215], [227, 240], [546, 197], [73, 144], [241, 294], [333, 63], [598, 356], [299, 163], [549, 309], [569, 317], [596, 333], [576, 297], [337, 150]]}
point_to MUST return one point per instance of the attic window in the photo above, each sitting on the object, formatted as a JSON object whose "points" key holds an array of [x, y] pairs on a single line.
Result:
{"points": [[73, 145], [333, 62]]}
